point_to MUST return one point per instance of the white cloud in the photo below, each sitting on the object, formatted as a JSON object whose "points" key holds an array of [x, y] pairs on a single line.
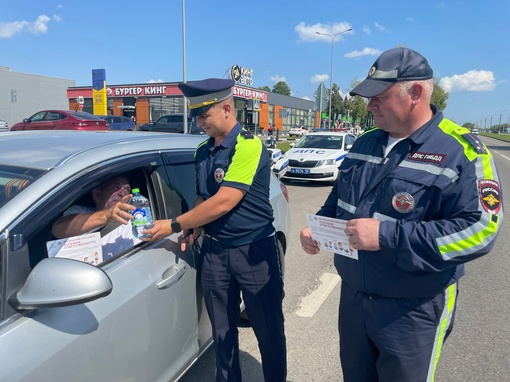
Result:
{"points": [[309, 32], [39, 26], [364, 52], [318, 78], [151, 81], [409, 18], [366, 30], [381, 27], [57, 18], [472, 81], [277, 79]]}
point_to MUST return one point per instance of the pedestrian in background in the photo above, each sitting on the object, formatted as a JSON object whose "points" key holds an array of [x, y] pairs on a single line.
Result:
{"points": [[239, 250], [421, 197]]}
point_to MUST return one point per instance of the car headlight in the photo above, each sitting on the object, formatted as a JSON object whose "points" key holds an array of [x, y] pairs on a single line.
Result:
{"points": [[326, 162]]}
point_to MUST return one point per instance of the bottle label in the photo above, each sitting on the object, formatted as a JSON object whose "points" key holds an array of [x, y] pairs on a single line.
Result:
{"points": [[140, 217]]}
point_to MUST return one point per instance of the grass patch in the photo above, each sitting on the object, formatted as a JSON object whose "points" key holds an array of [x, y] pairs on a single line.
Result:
{"points": [[501, 137], [284, 146]]}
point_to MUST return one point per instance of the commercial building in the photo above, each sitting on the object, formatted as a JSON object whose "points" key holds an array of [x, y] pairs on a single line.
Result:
{"points": [[147, 102], [22, 94]]}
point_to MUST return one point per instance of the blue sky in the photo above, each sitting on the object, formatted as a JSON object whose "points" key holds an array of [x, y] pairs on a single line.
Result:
{"points": [[466, 43]]}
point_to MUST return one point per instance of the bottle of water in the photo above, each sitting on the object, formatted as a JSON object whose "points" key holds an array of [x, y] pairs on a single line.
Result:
{"points": [[142, 216]]}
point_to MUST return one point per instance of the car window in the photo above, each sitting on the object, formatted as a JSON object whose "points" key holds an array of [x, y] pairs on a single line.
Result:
{"points": [[13, 180], [38, 116], [52, 116], [162, 120]]}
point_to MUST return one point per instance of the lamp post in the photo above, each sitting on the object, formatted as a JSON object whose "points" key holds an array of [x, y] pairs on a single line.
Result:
{"points": [[185, 110], [332, 37]]}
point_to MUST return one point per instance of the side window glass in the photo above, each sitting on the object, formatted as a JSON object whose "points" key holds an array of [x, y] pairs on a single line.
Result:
{"points": [[180, 169], [39, 234]]}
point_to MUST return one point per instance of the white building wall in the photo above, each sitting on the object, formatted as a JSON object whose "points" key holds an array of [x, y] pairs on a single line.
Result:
{"points": [[33, 93]]}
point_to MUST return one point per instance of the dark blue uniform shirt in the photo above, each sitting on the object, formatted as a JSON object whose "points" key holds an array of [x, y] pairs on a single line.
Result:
{"points": [[240, 161]]}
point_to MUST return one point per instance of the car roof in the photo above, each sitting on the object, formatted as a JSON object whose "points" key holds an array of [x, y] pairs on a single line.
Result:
{"points": [[48, 149], [328, 133]]}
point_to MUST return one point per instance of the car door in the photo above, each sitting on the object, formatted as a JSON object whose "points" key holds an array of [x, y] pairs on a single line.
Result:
{"points": [[144, 330]]}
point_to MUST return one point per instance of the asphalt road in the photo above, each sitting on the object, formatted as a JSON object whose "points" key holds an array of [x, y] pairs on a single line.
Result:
{"points": [[478, 349]]}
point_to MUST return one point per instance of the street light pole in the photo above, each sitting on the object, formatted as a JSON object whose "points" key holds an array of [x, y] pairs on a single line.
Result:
{"points": [[185, 110], [332, 37]]}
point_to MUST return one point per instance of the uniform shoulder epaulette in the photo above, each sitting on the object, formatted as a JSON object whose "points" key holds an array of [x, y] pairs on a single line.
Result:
{"points": [[246, 134], [475, 141]]}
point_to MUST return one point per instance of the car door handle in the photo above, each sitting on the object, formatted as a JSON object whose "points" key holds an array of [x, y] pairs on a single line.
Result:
{"points": [[171, 276]]}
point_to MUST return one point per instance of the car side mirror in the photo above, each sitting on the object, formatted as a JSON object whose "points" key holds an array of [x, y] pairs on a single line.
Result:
{"points": [[56, 282]]}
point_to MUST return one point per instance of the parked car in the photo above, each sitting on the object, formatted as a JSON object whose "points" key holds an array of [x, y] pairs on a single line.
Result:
{"points": [[4, 126], [171, 123], [475, 131], [139, 315], [119, 122], [297, 131], [317, 155], [61, 120]]}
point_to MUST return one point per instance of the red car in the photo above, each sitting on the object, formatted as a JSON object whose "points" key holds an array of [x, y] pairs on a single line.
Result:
{"points": [[61, 120]]}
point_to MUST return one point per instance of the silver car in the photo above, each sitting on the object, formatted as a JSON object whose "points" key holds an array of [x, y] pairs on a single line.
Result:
{"points": [[138, 316], [4, 126]]}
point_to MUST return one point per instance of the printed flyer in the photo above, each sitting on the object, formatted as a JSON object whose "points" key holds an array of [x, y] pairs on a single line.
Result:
{"points": [[85, 248], [329, 234]]}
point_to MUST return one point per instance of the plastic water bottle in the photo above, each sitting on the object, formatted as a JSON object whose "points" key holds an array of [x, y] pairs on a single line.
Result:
{"points": [[142, 216]]}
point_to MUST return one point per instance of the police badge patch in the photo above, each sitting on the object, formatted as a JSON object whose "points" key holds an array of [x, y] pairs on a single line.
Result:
{"points": [[219, 174], [490, 195], [403, 202]]}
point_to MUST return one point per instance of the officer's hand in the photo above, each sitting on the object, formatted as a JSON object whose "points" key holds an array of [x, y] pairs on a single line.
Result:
{"points": [[121, 211], [363, 233], [189, 237], [309, 245], [160, 229]]}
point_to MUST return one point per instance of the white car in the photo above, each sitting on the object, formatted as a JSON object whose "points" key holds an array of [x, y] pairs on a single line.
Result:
{"points": [[4, 126], [317, 155], [297, 131], [475, 131]]}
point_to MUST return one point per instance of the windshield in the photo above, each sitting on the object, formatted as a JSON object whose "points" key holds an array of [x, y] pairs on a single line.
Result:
{"points": [[14, 180], [333, 142]]}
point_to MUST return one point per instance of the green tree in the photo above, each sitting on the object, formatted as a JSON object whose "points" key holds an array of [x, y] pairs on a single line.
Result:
{"points": [[439, 96], [337, 107], [469, 125], [281, 88], [265, 87]]}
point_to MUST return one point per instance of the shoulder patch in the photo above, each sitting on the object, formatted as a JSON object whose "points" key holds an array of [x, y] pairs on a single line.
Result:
{"points": [[246, 134], [490, 195], [475, 142]]}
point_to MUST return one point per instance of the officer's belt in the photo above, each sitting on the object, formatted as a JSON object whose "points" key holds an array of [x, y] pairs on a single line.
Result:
{"points": [[211, 237], [214, 239]]}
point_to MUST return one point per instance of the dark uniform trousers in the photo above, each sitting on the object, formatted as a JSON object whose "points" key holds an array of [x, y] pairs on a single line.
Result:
{"points": [[255, 270], [393, 339]]}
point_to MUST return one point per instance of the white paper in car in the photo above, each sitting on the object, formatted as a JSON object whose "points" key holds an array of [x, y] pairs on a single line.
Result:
{"points": [[86, 248], [329, 234]]}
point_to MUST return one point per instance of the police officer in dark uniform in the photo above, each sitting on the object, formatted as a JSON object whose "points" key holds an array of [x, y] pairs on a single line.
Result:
{"points": [[240, 251], [421, 196]]}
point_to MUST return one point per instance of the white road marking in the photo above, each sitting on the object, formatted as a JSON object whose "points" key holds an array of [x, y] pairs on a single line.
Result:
{"points": [[311, 303]]}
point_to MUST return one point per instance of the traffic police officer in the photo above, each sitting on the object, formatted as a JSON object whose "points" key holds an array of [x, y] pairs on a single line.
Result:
{"points": [[240, 251], [421, 197]]}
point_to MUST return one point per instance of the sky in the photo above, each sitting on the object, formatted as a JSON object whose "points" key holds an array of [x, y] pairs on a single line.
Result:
{"points": [[467, 43]]}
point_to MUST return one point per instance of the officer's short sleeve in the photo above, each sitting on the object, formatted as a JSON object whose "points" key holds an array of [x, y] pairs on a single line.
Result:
{"points": [[245, 162]]}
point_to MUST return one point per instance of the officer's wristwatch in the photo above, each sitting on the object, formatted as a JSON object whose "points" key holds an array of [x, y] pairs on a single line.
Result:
{"points": [[176, 227]]}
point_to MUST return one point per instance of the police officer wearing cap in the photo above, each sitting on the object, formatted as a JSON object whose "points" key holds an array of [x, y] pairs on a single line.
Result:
{"points": [[421, 197], [240, 251]]}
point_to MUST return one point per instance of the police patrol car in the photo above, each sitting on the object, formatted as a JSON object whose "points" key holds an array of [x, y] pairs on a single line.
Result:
{"points": [[279, 162], [317, 156]]}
